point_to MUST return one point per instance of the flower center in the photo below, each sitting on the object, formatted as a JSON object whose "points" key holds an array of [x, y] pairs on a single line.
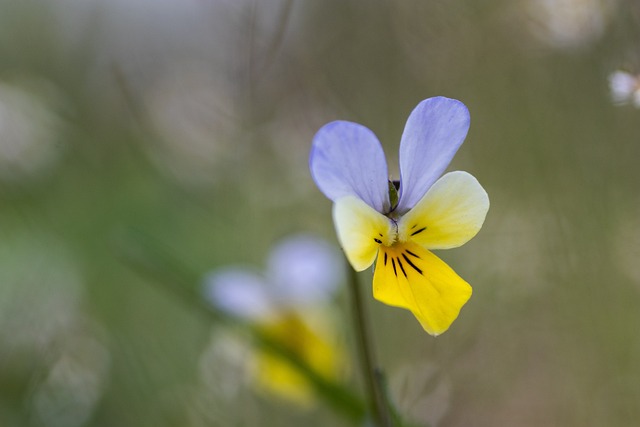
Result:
{"points": [[390, 237]]}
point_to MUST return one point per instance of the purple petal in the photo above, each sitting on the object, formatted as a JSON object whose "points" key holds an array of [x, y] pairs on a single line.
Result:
{"points": [[304, 270], [239, 292], [434, 131], [347, 160]]}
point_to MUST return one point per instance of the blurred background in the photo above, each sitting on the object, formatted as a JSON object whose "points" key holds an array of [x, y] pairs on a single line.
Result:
{"points": [[132, 125]]}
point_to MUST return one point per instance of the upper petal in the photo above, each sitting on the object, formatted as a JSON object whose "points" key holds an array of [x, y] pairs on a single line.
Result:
{"points": [[347, 160], [361, 230], [449, 215], [304, 269], [434, 131]]}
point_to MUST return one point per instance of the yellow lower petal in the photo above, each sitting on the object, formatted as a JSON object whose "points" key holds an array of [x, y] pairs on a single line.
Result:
{"points": [[411, 277]]}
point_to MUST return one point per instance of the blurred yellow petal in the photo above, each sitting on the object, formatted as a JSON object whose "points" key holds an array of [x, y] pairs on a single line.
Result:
{"points": [[449, 215], [361, 229], [312, 339], [276, 376], [411, 277]]}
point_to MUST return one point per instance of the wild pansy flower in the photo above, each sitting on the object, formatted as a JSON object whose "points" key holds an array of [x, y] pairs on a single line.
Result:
{"points": [[400, 228], [625, 88], [290, 303]]}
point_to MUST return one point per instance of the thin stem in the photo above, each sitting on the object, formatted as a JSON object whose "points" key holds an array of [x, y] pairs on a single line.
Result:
{"points": [[379, 407]]}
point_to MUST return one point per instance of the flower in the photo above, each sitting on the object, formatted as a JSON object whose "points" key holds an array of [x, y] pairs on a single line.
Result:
{"points": [[31, 125], [568, 24], [348, 165], [289, 303], [625, 88]]}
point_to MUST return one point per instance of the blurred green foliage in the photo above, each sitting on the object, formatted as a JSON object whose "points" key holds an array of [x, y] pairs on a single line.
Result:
{"points": [[191, 121]]}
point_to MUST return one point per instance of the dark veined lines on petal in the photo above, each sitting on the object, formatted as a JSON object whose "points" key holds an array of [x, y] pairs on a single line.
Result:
{"points": [[415, 267], [412, 254], [401, 267], [378, 241], [418, 231]]}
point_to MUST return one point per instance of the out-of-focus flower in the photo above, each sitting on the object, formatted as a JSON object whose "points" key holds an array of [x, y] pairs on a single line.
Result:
{"points": [[289, 303], [568, 24], [29, 131], [399, 228], [625, 88]]}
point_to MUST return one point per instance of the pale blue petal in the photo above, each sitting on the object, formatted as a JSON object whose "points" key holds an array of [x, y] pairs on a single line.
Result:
{"points": [[347, 160], [304, 269], [239, 292], [434, 131]]}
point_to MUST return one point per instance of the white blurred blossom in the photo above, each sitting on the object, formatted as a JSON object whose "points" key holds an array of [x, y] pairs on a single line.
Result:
{"points": [[625, 88], [30, 130], [568, 24]]}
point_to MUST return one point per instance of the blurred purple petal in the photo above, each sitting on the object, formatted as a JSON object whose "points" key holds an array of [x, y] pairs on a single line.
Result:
{"points": [[347, 159], [434, 131], [239, 292], [304, 269]]}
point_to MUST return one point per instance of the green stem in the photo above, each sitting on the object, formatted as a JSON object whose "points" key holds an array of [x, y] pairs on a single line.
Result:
{"points": [[372, 375]]}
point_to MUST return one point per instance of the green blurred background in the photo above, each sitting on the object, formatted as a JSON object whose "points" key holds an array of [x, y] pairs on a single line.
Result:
{"points": [[132, 125]]}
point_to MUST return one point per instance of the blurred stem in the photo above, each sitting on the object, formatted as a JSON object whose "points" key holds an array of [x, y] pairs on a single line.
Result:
{"points": [[372, 375], [147, 257]]}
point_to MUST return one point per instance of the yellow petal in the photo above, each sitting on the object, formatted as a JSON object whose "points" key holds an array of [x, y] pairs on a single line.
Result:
{"points": [[449, 215], [311, 337], [411, 277], [361, 229], [278, 377]]}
